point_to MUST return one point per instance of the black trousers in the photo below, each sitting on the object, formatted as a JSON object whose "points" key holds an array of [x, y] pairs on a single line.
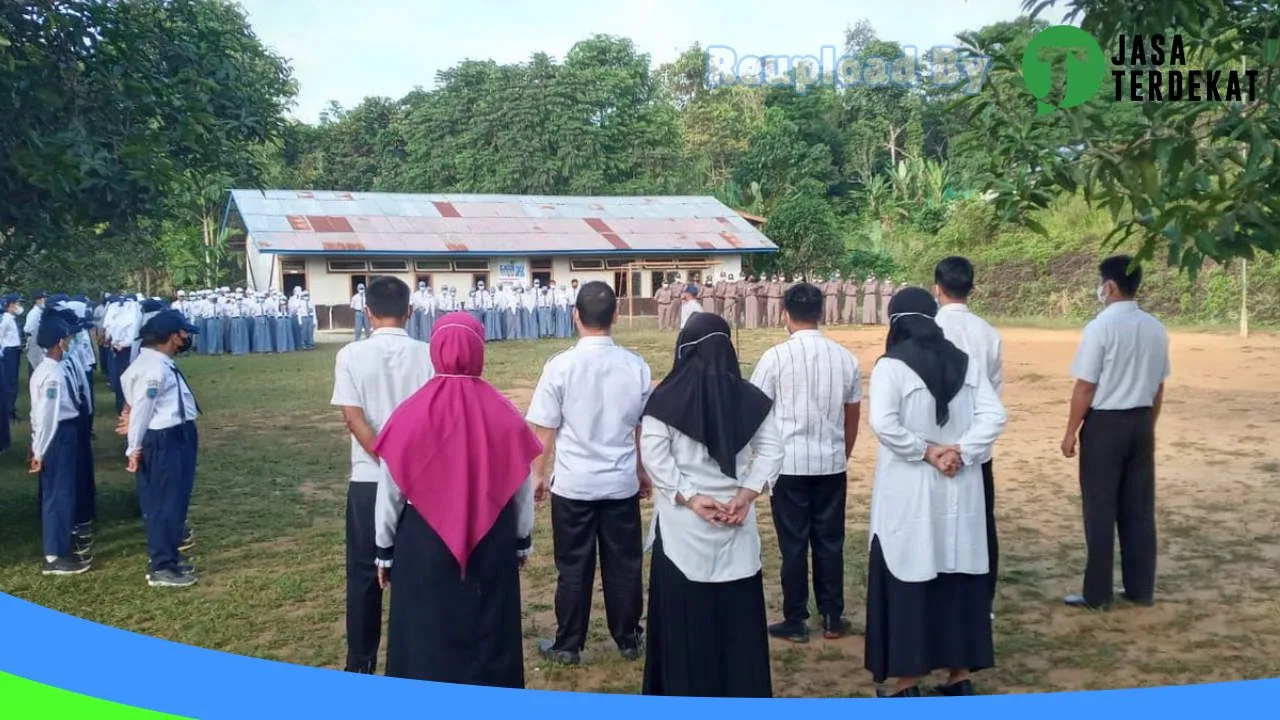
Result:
{"points": [[808, 514], [577, 527], [993, 543], [1118, 487], [364, 597]]}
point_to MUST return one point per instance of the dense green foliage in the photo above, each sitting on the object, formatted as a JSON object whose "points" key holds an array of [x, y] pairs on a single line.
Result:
{"points": [[865, 179]]}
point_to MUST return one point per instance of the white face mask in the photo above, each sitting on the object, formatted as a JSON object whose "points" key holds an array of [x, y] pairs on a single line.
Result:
{"points": [[17, 309], [1102, 293]]}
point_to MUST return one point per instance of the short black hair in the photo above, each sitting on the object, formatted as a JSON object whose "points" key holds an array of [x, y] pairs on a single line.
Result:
{"points": [[1116, 269], [597, 305], [387, 297], [803, 302], [955, 276]]}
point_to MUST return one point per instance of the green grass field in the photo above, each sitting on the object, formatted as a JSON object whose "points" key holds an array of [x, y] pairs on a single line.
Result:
{"points": [[269, 504]]}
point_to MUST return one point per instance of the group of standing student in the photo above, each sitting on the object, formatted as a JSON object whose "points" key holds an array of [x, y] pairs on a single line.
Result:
{"points": [[240, 323], [508, 312], [752, 303], [445, 476]]}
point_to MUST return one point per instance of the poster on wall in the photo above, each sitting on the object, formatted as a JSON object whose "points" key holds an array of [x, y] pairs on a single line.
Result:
{"points": [[513, 272]]}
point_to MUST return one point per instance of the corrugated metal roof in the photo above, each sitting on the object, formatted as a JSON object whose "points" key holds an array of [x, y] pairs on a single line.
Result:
{"points": [[330, 222]]}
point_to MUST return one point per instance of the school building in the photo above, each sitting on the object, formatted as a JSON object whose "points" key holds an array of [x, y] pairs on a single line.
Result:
{"points": [[330, 242]]}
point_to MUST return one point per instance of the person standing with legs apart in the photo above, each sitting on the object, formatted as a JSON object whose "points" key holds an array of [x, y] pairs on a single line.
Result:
{"points": [[455, 521], [586, 413], [711, 445], [816, 387], [952, 283], [359, 305], [1120, 371], [372, 378], [936, 418], [55, 447], [160, 425]]}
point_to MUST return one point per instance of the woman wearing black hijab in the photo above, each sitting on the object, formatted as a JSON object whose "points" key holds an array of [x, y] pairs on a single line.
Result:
{"points": [[936, 418], [711, 446]]}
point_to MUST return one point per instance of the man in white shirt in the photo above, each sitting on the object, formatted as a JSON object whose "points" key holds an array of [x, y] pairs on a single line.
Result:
{"points": [[307, 316], [689, 304], [359, 306], [816, 386], [160, 427], [1120, 371], [952, 284], [10, 354], [586, 412], [371, 379]]}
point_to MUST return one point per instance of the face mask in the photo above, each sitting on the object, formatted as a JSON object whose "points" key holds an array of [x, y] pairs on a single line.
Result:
{"points": [[1102, 293], [17, 309], [186, 345]]}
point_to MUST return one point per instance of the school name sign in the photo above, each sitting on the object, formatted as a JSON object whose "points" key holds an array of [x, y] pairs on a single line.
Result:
{"points": [[1150, 68]]}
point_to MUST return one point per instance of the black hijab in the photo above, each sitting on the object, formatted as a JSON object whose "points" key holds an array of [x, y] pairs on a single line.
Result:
{"points": [[705, 396], [916, 340]]}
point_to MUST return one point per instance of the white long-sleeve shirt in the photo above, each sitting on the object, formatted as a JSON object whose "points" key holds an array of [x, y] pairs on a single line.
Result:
{"points": [[152, 388], [52, 402], [33, 320], [928, 523], [358, 302], [9, 335], [687, 309], [680, 465]]}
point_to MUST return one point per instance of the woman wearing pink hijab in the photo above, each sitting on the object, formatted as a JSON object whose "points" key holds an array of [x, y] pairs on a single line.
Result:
{"points": [[457, 520]]}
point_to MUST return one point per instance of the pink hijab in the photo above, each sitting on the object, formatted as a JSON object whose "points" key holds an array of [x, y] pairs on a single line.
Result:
{"points": [[458, 449]]}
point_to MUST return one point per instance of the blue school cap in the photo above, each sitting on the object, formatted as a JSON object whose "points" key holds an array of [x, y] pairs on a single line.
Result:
{"points": [[691, 289], [53, 329], [167, 322]]}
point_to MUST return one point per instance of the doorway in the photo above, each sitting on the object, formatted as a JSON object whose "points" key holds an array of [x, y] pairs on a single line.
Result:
{"points": [[294, 280], [357, 281], [542, 278], [423, 279], [621, 284], [478, 278]]}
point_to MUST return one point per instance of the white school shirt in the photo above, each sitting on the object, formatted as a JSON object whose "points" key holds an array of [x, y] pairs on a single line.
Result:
{"points": [[152, 389], [528, 301], [687, 310], [486, 300], [678, 464], [358, 302], [1125, 352], [9, 335], [593, 394], [376, 375], [561, 297], [33, 321], [976, 338], [928, 523], [51, 403], [810, 379], [544, 298], [306, 309], [573, 295]]}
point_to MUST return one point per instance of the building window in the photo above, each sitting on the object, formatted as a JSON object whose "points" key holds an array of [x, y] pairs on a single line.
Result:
{"points": [[389, 266], [616, 264], [595, 264], [348, 266], [540, 264], [430, 265], [470, 265], [293, 267]]}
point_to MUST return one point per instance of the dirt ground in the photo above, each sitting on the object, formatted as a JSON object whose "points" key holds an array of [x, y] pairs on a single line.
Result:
{"points": [[1218, 595]]}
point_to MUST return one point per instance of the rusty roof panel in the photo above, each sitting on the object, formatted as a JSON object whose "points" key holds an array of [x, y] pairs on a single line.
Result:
{"points": [[408, 224]]}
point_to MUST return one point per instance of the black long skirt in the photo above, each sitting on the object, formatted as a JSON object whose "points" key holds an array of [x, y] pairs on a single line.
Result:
{"points": [[916, 628], [705, 639], [444, 628]]}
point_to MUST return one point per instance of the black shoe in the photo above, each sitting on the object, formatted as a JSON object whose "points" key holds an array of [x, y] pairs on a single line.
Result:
{"points": [[630, 653], [913, 691], [960, 689], [1140, 602], [1078, 601], [547, 649], [834, 627], [796, 632], [170, 577], [64, 566]]}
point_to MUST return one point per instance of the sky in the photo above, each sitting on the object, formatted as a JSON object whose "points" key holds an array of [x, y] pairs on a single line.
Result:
{"points": [[345, 51]]}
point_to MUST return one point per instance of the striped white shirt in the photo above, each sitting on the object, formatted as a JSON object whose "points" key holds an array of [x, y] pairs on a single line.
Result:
{"points": [[810, 379]]}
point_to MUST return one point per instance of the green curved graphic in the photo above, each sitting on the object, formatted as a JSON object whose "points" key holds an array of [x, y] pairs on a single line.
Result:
{"points": [[1085, 67], [21, 699]]}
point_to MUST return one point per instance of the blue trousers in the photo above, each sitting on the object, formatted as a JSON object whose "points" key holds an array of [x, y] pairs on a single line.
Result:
{"points": [[362, 324], [295, 326], [428, 324], [284, 335], [308, 332], [120, 363], [9, 363], [213, 333], [166, 478], [86, 481], [58, 475]]}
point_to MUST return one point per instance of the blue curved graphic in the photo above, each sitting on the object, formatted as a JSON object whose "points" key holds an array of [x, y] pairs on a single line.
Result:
{"points": [[145, 672]]}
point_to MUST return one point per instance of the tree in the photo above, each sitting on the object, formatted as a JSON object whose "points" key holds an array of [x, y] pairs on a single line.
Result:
{"points": [[1195, 179], [110, 106], [805, 228]]}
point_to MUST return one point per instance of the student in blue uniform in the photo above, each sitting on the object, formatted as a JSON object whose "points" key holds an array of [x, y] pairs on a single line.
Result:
{"points": [[80, 389], [10, 354], [162, 444], [55, 446], [307, 315]]}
